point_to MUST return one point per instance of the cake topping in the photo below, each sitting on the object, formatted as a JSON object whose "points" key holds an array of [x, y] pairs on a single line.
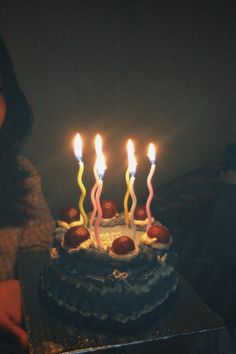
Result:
{"points": [[160, 233], [123, 245], [75, 236], [141, 218], [162, 259], [140, 213], [119, 275], [109, 209], [69, 215]]}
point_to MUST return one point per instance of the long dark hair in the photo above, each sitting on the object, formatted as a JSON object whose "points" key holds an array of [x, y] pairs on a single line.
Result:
{"points": [[15, 130]]}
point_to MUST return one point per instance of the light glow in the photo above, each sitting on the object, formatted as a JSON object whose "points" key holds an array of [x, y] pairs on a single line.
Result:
{"points": [[100, 161], [131, 158], [151, 153], [78, 147], [98, 144], [101, 165]]}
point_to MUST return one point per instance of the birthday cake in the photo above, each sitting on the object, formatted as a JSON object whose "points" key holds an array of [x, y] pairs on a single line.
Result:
{"points": [[124, 277]]}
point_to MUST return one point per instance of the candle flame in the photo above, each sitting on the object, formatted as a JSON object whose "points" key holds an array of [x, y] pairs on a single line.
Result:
{"points": [[98, 144], [151, 153], [101, 165], [100, 161], [131, 158], [78, 147]]}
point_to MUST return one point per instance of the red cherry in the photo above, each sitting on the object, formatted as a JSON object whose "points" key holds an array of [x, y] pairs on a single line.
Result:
{"points": [[140, 213], [161, 233], [69, 214], [109, 209], [75, 236], [122, 245]]}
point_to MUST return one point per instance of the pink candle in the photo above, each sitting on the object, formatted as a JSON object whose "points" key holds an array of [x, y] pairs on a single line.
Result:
{"points": [[99, 213], [151, 155], [101, 166], [92, 194], [132, 171], [98, 149]]}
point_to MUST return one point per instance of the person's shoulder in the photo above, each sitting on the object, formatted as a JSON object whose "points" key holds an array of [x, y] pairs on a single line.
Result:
{"points": [[27, 166]]}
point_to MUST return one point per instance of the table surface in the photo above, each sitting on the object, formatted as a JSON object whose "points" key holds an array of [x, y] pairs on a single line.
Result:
{"points": [[48, 334]]}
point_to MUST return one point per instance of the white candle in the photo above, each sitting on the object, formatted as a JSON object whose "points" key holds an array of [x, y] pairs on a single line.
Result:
{"points": [[151, 155], [132, 171]]}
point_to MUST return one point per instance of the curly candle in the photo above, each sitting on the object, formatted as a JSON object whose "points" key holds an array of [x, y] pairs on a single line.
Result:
{"points": [[78, 155], [132, 171], [101, 166], [98, 149], [151, 155], [92, 194], [99, 212], [127, 194]]}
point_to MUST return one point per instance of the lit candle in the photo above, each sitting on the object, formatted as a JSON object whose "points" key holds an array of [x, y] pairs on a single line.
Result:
{"points": [[101, 166], [78, 155], [132, 171], [126, 198], [98, 148], [92, 194], [151, 155]]}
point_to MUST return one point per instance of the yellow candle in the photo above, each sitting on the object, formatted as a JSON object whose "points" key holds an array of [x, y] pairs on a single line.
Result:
{"points": [[127, 194], [83, 193], [133, 207], [78, 154], [151, 155]]}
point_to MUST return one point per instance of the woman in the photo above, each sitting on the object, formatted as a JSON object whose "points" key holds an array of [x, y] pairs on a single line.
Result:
{"points": [[25, 220]]}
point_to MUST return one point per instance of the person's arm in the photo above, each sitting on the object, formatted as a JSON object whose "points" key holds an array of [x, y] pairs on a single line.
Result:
{"points": [[11, 317], [38, 232]]}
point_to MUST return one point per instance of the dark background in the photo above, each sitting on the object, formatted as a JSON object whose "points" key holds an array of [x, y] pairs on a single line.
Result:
{"points": [[156, 71]]}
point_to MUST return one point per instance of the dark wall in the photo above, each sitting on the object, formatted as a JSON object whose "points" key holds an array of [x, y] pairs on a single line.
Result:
{"points": [[147, 70]]}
